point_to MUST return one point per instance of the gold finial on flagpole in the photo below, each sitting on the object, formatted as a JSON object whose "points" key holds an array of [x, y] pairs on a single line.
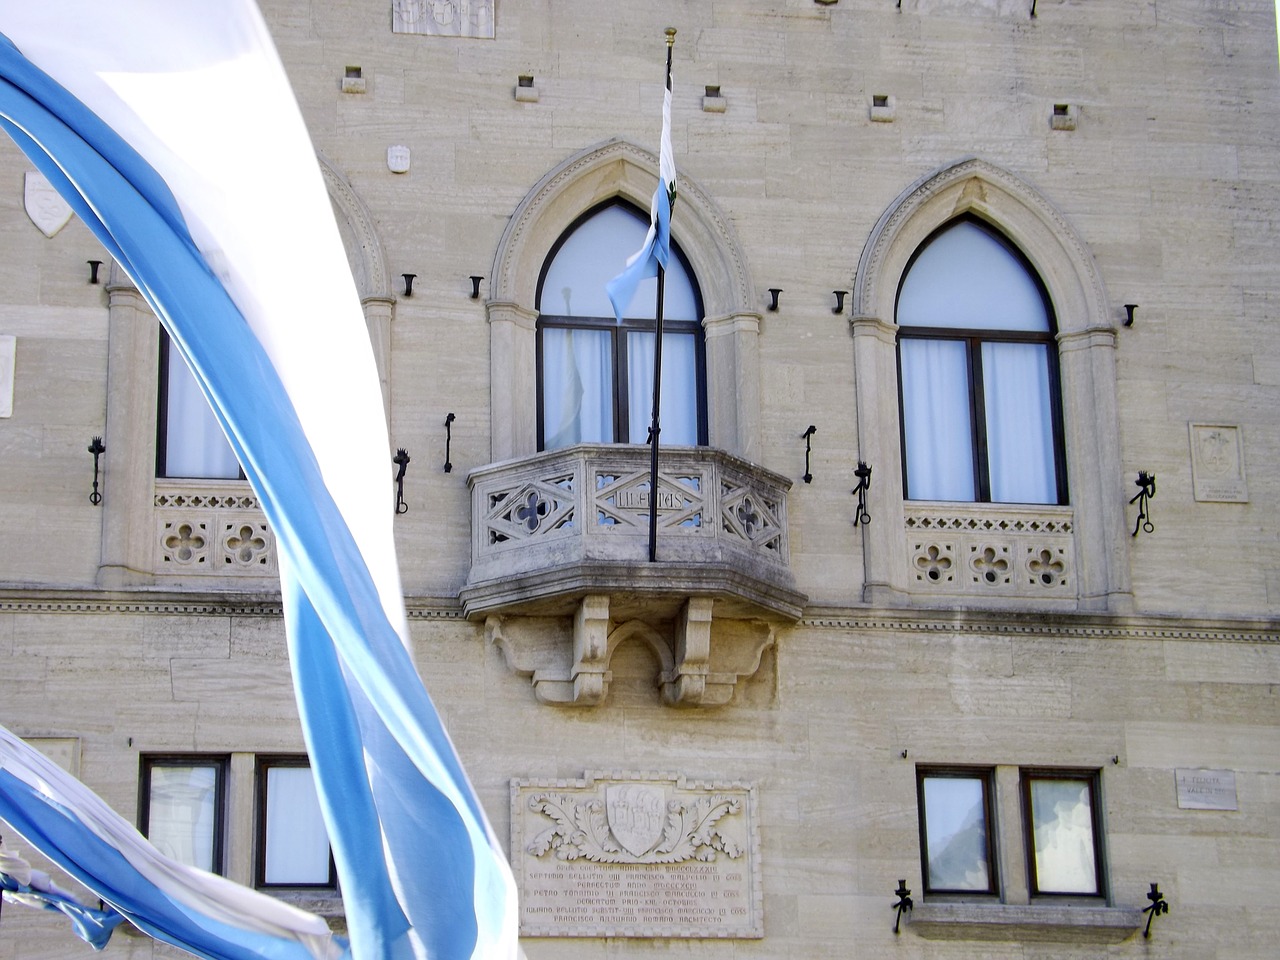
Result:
{"points": [[671, 36]]}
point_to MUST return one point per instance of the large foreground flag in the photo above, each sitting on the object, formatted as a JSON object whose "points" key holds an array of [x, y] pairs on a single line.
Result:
{"points": [[171, 129]]}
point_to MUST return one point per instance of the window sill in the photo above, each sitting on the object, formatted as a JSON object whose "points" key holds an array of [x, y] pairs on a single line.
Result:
{"points": [[1024, 922], [324, 903]]}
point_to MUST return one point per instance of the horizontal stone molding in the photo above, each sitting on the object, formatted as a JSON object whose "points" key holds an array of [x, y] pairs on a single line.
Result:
{"points": [[1062, 923]]}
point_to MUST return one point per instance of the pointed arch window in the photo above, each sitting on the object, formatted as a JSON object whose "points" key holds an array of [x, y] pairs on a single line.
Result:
{"points": [[595, 376], [978, 373]]}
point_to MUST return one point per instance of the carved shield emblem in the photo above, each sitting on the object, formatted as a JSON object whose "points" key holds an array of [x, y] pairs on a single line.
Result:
{"points": [[636, 813], [45, 206]]}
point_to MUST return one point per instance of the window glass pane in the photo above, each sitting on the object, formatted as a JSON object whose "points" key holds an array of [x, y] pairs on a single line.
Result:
{"points": [[967, 279], [955, 818], [679, 413], [595, 253], [1062, 830], [935, 417], [297, 844], [195, 445], [182, 813], [577, 387], [1020, 450]]}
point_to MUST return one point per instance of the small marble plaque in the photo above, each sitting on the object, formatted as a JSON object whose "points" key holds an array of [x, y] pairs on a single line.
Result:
{"points": [[443, 18], [1206, 789], [1217, 463], [8, 358], [636, 855]]}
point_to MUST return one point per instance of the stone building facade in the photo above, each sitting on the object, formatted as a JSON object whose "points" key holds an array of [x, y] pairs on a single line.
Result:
{"points": [[1025, 713]]}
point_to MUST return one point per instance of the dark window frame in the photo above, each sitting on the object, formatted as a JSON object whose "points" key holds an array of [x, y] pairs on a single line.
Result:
{"points": [[973, 340], [262, 764], [618, 334], [221, 764], [1094, 780], [987, 776]]}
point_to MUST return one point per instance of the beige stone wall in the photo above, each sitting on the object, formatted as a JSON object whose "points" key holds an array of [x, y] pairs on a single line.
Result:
{"points": [[1169, 180]]}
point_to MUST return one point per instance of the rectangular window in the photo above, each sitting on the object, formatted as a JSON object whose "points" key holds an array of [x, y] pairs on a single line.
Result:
{"points": [[182, 808], [190, 442], [1060, 810], [956, 843], [293, 844]]}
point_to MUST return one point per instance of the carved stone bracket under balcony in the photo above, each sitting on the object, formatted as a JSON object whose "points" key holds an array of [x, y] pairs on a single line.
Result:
{"points": [[561, 539]]}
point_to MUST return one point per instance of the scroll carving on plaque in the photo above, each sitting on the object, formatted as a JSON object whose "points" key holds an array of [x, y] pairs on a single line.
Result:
{"points": [[636, 855]]}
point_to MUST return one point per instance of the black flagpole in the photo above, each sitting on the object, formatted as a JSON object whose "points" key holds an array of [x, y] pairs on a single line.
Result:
{"points": [[654, 428]]}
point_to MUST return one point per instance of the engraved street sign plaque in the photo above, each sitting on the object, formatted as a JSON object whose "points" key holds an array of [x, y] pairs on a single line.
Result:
{"points": [[636, 855], [1206, 789]]}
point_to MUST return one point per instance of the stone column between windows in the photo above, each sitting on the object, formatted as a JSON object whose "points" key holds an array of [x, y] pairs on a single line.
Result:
{"points": [[240, 828], [733, 384], [133, 348], [884, 547], [513, 380], [1010, 846], [378, 312]]}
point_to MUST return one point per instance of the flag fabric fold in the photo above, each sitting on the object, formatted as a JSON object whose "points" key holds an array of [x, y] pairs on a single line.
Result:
{"points": [[172, 131], [656, 249], [19, 883]]}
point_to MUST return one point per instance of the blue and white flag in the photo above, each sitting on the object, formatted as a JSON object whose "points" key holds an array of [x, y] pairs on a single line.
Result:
{"points": [[656, 249], [173, 132]]}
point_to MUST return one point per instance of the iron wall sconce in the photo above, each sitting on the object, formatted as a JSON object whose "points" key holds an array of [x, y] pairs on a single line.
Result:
{"points": [[1146, 493], [839, 307], [401, 460], [904, 903], [773, 299], [93, 270], [408, 283], [1128, 311], [475, 287], [1158, 906], [448, 439], [808, 446], [863, 473], [97, 448]]}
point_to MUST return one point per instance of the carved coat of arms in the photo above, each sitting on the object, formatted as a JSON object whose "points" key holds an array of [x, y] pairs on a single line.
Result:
{"points": [[44, 204]]}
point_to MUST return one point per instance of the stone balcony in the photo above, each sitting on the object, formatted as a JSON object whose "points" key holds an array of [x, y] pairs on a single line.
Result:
{"points": [[549, 529], [560, 567]]}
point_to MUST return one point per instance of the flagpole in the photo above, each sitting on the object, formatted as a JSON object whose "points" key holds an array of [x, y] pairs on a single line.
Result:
{"points": [[654, 427]]}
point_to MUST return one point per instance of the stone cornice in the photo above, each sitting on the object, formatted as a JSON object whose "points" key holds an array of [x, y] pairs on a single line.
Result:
{"points": [[17, 599]]}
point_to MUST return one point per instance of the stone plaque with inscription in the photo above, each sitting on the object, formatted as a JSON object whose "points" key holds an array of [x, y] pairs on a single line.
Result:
{"points": [[1206, 789], [636, 855], [1217, 463]]}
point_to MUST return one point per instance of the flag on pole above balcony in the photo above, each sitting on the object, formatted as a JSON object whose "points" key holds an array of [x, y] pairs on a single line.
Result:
{"points": [[173, 132], [656, 249]]}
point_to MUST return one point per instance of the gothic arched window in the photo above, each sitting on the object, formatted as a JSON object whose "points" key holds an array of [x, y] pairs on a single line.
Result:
{"points": [[978, 373], [595, 376]]}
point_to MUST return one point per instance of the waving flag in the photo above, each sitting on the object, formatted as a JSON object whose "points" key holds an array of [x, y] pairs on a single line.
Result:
{"points": [[172, 131], [656, 249]]}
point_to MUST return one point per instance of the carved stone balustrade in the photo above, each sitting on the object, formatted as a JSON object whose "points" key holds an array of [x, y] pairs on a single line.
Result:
{"points": [[560, 567], [550, 529]]}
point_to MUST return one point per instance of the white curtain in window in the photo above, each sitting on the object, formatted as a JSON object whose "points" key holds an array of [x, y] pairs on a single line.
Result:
{"points": [[935, 416], [1020, 450], [1062, 826], [181, 813], [577, 387], [679, 412], [297, 844], [195, 445]]}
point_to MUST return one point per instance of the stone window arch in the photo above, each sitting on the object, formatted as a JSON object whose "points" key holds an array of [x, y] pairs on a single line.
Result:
{"points": [[619, 169], [1074, 556]]}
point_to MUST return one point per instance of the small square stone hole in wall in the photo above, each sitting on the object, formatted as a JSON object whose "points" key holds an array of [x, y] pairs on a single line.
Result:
{"points": [[883, 107], [353, 80], [713, 100], [1063, 116], [526, 91]]}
